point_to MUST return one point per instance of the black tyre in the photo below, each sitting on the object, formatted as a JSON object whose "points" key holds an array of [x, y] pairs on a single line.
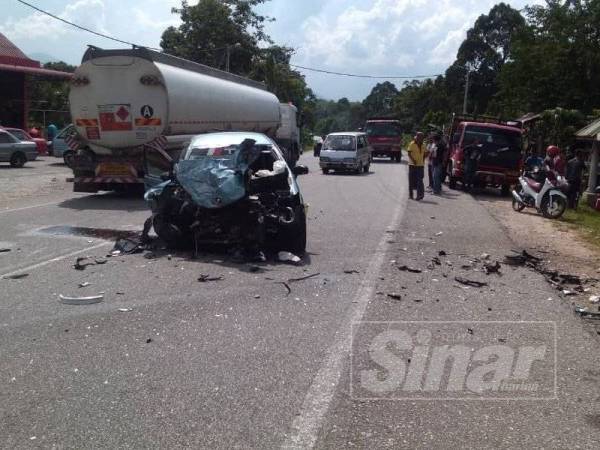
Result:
{"points": [[359, 170], [505, 190], [517, 205], [18, 160], [367, 168], [68, 158], [325, 171], [452, 182], [292, 237], [554, 210]]}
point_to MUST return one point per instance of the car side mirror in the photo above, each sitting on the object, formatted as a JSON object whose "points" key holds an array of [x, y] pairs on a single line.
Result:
{"points": [[300, 170]]}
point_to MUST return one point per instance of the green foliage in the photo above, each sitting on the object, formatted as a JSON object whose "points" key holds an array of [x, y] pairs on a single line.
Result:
{"points": [[211, 29], [50, 94], [381, 100]]}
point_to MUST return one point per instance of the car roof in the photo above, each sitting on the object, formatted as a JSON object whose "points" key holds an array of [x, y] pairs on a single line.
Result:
{"points": [[261, 139], [347, 133]]}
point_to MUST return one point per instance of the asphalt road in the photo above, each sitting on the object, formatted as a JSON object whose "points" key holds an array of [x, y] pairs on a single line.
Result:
{"points": [[238, 363]]}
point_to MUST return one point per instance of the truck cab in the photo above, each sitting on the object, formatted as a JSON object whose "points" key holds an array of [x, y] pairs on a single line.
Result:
{"points": [[385, 137], [500, 152], [288, 133]]}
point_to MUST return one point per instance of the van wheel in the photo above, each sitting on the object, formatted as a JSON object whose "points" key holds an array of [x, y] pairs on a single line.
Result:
{"points": [[18, 160], [325, 171], [367, 168], [359, 170]]}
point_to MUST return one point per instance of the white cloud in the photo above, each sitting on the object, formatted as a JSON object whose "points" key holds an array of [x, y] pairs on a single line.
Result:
{"points": [[37, 26]]}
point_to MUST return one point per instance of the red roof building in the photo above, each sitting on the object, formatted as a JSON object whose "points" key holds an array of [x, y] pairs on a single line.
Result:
{"points": [[15, 69]]}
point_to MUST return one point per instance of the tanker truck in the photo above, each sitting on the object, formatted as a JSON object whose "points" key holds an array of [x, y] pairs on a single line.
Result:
{"points": [[124, 100]]}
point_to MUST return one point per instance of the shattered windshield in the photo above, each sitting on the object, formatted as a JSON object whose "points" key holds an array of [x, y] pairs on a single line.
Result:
{"points": [[340, 143]]}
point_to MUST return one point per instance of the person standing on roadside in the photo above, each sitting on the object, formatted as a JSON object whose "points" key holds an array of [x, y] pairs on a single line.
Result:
{"points": [[437, 158], [417, 153], [431, 153], [575, 168]]}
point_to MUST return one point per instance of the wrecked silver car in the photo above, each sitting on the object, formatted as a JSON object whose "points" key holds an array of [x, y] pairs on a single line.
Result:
{"points": [[231, 188]]}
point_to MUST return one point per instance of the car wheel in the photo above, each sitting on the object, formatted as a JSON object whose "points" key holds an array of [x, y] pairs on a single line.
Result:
{"points": [[68, 158], [359, 170], [325, 171], [367, 168], [292, 237], [18, 160]]}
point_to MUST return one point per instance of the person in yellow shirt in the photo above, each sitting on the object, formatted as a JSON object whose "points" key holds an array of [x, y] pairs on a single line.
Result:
{"points": [[417, 152]]}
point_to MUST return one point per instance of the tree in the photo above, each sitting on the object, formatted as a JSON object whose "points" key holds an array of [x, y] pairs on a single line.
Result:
{"points": [[50, 95], [380, 100], [486, 49], [213, 29]]}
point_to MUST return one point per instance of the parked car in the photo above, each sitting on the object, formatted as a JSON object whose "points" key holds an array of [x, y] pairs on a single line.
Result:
{"points": [[59, 146], [15, 151], [346, 152], [22, 135], [232, 188], [500, 146]]}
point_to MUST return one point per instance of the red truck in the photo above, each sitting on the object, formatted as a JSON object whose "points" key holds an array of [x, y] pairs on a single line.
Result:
{"points": [[500, 144], [385, 137]]}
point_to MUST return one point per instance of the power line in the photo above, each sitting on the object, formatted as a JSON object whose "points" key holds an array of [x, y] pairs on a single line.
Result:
{"points": [[311, 69], [79, 26], [393, 77]]}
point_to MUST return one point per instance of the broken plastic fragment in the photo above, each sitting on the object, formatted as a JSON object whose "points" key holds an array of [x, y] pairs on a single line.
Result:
{"points": [[409, 269], [394, 296], [203, 278], [125, 309], [84, 284], [81, 300], [595, 299], [471, 283]]}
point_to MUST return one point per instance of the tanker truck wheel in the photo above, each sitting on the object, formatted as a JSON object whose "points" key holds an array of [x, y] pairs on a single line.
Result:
{"points": [[68, 158]]}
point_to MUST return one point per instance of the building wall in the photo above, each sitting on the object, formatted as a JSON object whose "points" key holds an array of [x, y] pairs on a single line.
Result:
{"points": [[12, 99]]}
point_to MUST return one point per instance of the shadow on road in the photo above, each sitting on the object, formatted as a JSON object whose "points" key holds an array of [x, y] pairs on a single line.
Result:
{"points": [[106, 202]]}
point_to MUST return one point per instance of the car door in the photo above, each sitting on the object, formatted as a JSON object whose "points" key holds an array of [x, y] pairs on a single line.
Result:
{"points": [[59, 144], [363, 150], [7, 146]]}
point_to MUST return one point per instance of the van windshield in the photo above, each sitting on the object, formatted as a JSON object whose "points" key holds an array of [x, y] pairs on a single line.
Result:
{"points": [[383, 129], [340, 143]]}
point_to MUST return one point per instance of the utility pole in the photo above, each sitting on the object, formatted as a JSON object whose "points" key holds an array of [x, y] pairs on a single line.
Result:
{"points": [[466, 101], [228, 55]]}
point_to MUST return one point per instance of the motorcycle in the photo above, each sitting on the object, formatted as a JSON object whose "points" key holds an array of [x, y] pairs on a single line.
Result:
{"points": [[541, 190]]}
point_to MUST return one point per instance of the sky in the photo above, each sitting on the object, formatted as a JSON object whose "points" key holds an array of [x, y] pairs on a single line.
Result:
{"points": [[369, 37]]}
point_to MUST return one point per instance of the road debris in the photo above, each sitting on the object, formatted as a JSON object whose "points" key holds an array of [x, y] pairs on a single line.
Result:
{"points": [[307, 277], [442, 253], [5, 250], [17, 276], [587, 313], [595, 299], [471, 283], [84, 284], [394, 296], [80, 301], [492, 268], [204, 278], [351, 272], [287, 287], [82, 262], [436, 261], [569, 293], [125, 310], [128, 246], [485, 256], [100, 261], [288, 257], [148, 341], [409, 269]]}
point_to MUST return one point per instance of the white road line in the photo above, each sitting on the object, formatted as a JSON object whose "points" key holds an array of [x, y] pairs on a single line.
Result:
{"points": [[306, 426], [56, 259], [4, 211]]}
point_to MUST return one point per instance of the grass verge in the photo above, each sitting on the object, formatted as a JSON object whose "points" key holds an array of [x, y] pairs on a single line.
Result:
{"points": [[586, 221]]}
